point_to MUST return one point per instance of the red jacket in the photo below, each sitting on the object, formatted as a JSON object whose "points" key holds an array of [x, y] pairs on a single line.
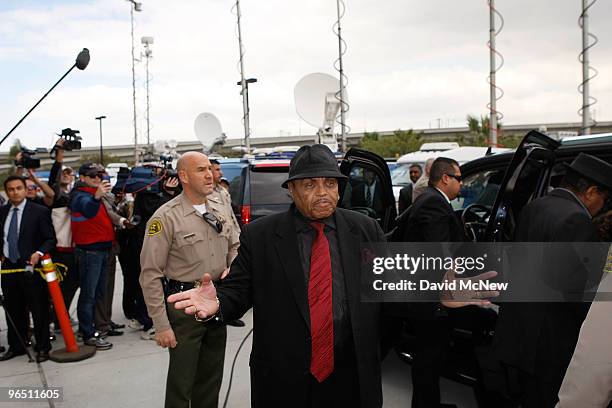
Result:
{"points": [[91, 225]]}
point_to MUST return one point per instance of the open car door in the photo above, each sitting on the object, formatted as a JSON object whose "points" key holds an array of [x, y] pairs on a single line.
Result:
{"points": [[526, 179], [368, 189]]}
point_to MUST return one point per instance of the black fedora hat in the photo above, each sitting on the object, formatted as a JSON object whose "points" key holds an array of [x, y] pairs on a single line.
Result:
{"points": [[594, 169], [313, 162]]}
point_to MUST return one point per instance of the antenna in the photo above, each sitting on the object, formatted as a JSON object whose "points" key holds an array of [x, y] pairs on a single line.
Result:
{"points": [[316, 103], [494, 114], [588, 72], [208, 131]]}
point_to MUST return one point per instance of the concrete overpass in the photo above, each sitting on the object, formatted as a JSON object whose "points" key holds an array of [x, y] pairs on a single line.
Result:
{"points": [[125, 153]]}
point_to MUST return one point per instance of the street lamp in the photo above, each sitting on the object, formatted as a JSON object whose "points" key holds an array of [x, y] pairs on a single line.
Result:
{"points": [[99, 118], [135, 6], [148, 53], [246, 109]]}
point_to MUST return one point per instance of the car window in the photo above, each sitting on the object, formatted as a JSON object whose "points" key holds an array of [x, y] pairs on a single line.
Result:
{"points": [[479, 188], [400, 175], [363, 192], [266, 187]]}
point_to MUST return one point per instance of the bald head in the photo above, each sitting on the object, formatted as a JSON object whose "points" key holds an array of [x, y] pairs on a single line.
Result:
{"points": [[195, 172], [187, 158]]}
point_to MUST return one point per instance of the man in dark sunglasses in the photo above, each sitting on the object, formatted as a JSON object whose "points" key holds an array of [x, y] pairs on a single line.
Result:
{"points": [[93, 235], [432, 219]]}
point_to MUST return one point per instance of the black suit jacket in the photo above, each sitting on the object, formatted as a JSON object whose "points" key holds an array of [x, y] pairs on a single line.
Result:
{"points": [[36, 231], [267, 275], [405, 198], [432, 219], [358, 198], [541, 336]]}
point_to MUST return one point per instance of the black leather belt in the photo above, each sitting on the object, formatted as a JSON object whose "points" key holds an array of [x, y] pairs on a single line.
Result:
{"points": [[174, 286]]}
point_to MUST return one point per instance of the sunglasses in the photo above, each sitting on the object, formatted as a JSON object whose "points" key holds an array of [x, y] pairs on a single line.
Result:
{"points": [[213, 221], [93, 175], [456, 177]]}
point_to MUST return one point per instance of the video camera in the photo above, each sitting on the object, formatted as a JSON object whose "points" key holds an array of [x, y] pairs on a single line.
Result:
{"points": [[145, 178], [28, 161], [72, 141]]}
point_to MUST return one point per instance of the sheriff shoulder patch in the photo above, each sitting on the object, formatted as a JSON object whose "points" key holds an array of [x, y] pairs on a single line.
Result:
{"points": [[154, 228]]}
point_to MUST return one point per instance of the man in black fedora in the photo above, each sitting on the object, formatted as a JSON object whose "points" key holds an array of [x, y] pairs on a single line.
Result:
{"points": [[314, 343], [535, 341]]}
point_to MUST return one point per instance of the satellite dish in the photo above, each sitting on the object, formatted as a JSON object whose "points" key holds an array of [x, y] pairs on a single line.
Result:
{"points": [[159, 146], [207, 129], [310, 93], [317, 105]]}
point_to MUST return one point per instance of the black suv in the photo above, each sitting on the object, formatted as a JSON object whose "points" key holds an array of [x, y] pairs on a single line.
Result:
{"points": [[258, 192], [495, 190]]}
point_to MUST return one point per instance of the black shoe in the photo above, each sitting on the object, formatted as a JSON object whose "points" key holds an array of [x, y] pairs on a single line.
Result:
{"points": [[104, 334], [42, 356], [236, 323], [52, 337], [2, 349], [10, 354], [116, 326]]}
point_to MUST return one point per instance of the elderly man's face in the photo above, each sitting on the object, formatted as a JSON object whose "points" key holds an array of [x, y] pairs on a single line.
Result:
{"points": [[315, 198]]}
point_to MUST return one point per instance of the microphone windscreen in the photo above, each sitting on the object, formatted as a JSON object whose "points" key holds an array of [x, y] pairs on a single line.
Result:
{"points": [[82, 59]]}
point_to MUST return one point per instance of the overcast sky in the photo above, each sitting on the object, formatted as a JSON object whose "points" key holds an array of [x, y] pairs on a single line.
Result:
{"points": [[408, 62]]}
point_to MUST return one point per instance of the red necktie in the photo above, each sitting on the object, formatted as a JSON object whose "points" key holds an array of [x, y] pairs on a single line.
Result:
{"points": [[320, 304]]}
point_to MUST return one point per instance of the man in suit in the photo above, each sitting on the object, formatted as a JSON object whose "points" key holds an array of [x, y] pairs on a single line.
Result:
{"points": [[405, 195], [27, 234], [535, 341], [368, 194], [315, 344], [432, 219]]}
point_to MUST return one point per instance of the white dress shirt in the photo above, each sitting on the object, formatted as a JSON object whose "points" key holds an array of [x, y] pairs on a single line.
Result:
{"points": [[7, 224]]}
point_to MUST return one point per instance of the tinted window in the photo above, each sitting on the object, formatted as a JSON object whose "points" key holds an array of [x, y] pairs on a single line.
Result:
{"points": [[266, 186], [480, 188], [364, 192]]}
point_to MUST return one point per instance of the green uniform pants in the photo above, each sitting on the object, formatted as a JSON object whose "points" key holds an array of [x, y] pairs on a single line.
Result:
{"points": [[196, 363]]}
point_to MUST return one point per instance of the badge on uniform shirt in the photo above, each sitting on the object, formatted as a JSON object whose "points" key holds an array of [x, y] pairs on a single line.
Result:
{"points": [[154, 228]]}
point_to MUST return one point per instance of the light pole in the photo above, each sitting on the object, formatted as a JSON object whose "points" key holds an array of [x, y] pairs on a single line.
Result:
{"points": [[135, 6], [247, 110], [99, 118], [148, 53]]}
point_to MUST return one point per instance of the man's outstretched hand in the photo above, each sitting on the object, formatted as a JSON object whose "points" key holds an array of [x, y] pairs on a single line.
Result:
{"points": [[200, 301], [466, 297]]}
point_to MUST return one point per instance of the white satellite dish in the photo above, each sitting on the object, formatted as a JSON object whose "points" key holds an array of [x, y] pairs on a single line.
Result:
{"points": [[208, 130], [317, 105]]}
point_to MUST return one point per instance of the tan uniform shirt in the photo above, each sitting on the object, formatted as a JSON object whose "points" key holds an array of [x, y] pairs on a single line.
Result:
{"points": [[226, 199], [181, 245]]}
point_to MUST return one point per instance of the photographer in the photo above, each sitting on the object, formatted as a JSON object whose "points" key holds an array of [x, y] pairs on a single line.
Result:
{"points": [[61, 180], [93, 235], [23, 163]]}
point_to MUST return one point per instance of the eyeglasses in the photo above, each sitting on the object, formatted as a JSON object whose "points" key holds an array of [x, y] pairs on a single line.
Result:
{"points": [[213, 221], [456, 177], [32, 188]]}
